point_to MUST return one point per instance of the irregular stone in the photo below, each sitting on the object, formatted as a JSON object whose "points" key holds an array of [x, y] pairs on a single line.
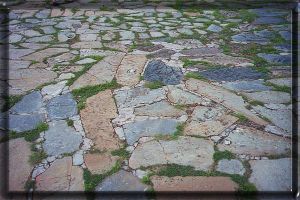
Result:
{"points": [[287, 35], [61, 138], [19, 168], [17, 53], [17, 64], [127, 35], [200, 52], [157, 70], [78, 158], [87, 45], [85, 61], [185, 31], [265, 33], [156, 34], [275, 58], [138, 96], [189, 43], [54, 90], [231, 167], [88, 37], [269, 20], [269, 96], [46, 53], [62, 107], [249, 38], [162, 53], [41, 39], [272, 175], [129, 71], [120, 182], [96, 120], [193, 184], [253, 142], [29, 104], [161, 152], [48, 29], [100, 73], [99, 163], [61, 59], [214, 28], [65, 76], [21, 123], [159, 109], [283, 47], [247, 86], [281, 81], [226, 60], [224, 97], [150, 48]]}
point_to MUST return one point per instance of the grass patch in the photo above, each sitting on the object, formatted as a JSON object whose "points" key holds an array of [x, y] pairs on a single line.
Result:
{"points": [[82, 94], [10, 101], [195, 75], [30, 184], [247, 16], [241, 117], [92, 180], [189, 63], [70, 122], [121, 153], [174, 136], [256, 103], [279, 88], [37, 157], [219, 155], [146, 179], [180, 106], [154, 85]]}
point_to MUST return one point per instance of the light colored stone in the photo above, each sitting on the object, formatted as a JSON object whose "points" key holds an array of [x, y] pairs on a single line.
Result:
{"points": [[54, 90], [269, 97], [100, 163], [85, 61], [78, 158], [231, 167], [281, 81], [65, 76], [87, 45], [46, 53]]}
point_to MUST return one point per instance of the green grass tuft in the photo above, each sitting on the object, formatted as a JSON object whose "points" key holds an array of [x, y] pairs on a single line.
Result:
{"points": [[219, 155], [70, 122], [154, 85], [10, 101], [242, 118], [37, 157], [121, 153], [195, 76], [279, 88]]}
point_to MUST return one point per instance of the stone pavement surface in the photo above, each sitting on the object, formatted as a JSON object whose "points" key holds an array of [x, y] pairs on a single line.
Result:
{"points": [[148, 99]]}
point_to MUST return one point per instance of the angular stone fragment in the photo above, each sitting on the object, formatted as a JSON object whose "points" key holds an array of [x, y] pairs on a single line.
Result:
{"points": [[249, 38], [99, 163], [29, 104], [87, 45], [214, 28]]}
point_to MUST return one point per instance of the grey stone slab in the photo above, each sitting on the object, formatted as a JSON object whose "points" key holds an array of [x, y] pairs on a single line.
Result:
{"points": [[269, 97], [249, 38], [214, 28], [283, 47], [29, 104], [157, 70], [162, 53], [61, 138], [282, 81], [62, 107], [21, 123], [269, 20], [276, 59], [151, 127], [247, 86], [286, 35], [231, 167]]}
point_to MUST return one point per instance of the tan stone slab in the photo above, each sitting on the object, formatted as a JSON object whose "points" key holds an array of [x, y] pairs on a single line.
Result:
{"points": [[96, 116], [19, 168], [193, 184], [87, 45], [56, 12], [130, 69], [224, 97], [99, 163], [46, 53]]}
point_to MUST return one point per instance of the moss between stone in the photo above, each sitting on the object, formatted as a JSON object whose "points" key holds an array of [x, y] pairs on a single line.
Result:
{"points": [[195, 76], [123, 153], [174, 136], [154, 85], [279, 88], [241, 117], [10, 101], [36, 157], [219, 155], [70, 122]]}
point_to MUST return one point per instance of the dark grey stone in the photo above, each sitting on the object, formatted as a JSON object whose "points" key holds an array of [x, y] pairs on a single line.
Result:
{"points": [[249, 37], [29, 104], [275, 58], [21, 123], [283, 47], [62, 107], [232, 74], [269, 20], [163, 53], [157, 70]]}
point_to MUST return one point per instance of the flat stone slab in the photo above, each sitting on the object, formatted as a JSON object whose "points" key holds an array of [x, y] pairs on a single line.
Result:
{"points": [[249, 141], [138, 96], [121, 181], [200, 153], [61, 138], [21, 123], [231, 167], [226, 60], [159, 109], [214, 28], [281, 81], [157, 70], [99, 163], [200, 52], [276, 59], [272, 175], [29, 104], [269, 97], [193, 184], [46, 53], [269, 20], [62, 107], [247, 86], [232, 74], [135, 130], [249, 38]]}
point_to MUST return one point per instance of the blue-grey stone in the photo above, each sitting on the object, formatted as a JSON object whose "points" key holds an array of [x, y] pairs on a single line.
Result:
{"points": [[283, 47], [286, 35], [249, 37], [61, 138], [135, 130], [269, 20], [29, 104], [247, 86], [214, 28], [267, 12], [162, 53], [264, 33], [21, 123], [275, 58], [157, 70], [232, 74], [231, 167], [62, 107]]}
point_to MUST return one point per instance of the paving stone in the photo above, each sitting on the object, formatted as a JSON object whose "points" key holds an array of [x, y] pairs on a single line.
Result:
{"points": [[78, 158], [231, 167], [283, 47], [269, 97], [163, 53], [85, 61], [29, 104], [231, 74], [226, 60], [286, 35], [14, 38], [87, 45], [161, 152], [269, 20], [250, 38], [157, 70], [129, 71], [48, 29], [253, 142], [61, 138], [193, 184], [200, 52], [21, 123], [53, 90], [46, 53], [17, 53], [189, 43], [271, 175], [224, 97], [88, 37], [276, 59], [159, 109], [62, 107], [138, 96], [99, 163], [96, 121], [31, 33], [156, 34], [265, 33], [19, 168], [41, 39], [64, 36], [281, 81], [135, 130], [185, 31], [214, 28], [121, 181], [150, 48], [127, 35], [247, 86]]}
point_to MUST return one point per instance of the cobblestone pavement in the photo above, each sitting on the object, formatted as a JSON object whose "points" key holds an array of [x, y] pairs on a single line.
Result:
{"points": [[151, 99]]}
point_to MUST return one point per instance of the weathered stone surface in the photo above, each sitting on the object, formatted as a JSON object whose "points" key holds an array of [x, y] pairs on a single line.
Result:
{"points": [[62, 107], [85, 61], [281, 81], [249, 38], [224, 97], [87, 45], [99, 163], [226, 60], [46, 53], [269, 20], [19, 168], [121, 181], [276, 59], [53, 90], [29, 104], [269, 96], [96, 116], [189, 43], [21, 123], [159, 109], [130, 69], [61, 176], [231, 167], [61, 138], [64, 36], [162, 53], [201, 52], [193, 184], [199, 151], [246, 140], [100, 73], [232, 74], [138, 96], [214, 28], [272, 175], [247, 86]]}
